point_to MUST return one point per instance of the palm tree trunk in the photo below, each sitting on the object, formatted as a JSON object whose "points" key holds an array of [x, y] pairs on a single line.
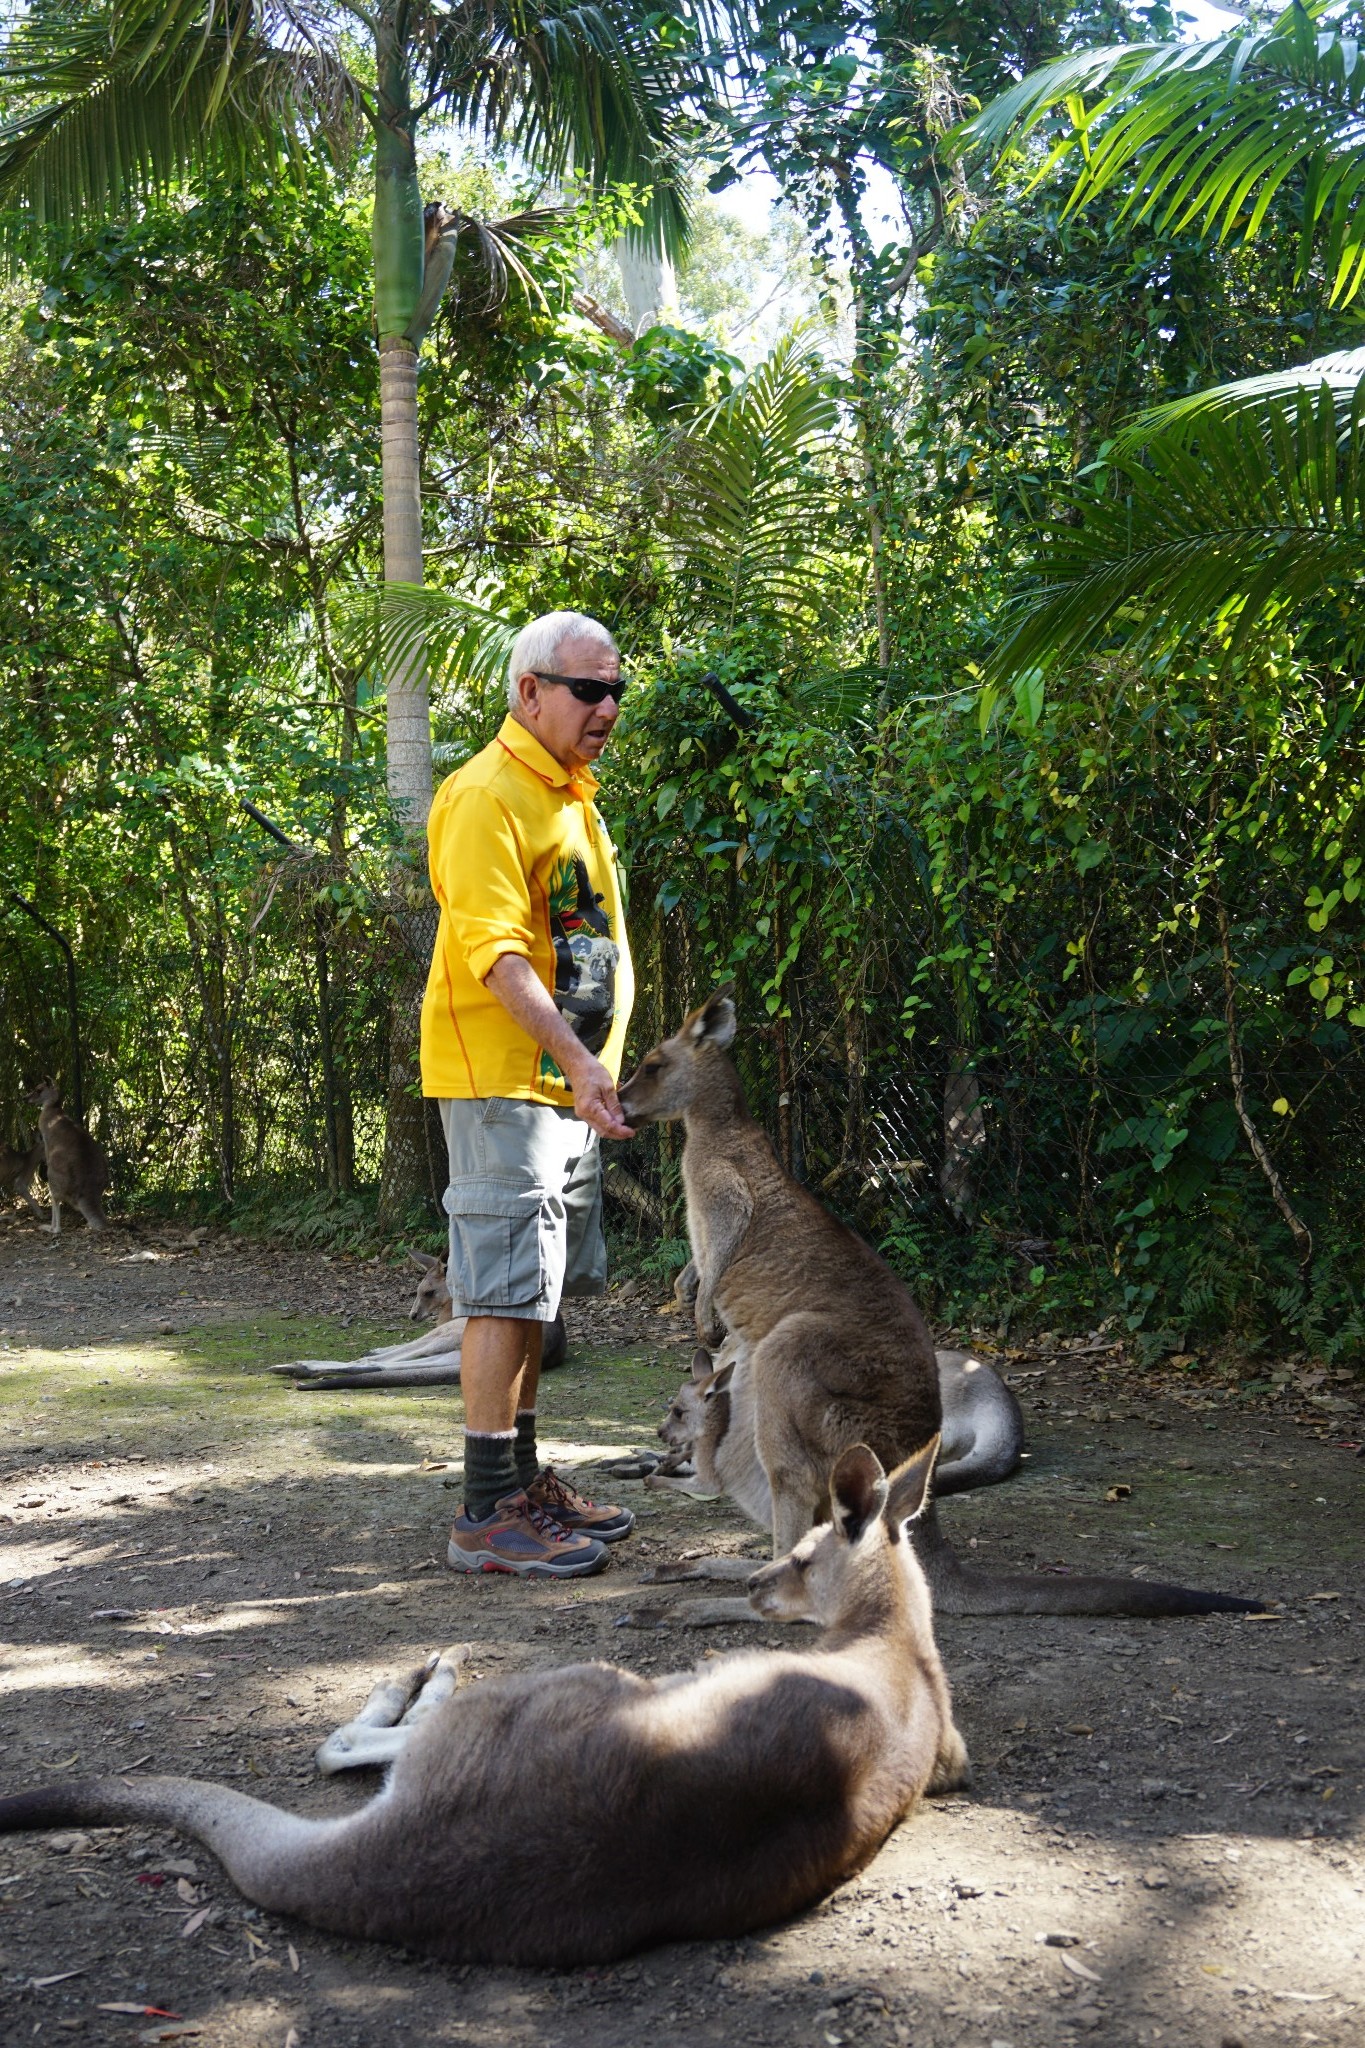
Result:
{"points": [[398, 244]]}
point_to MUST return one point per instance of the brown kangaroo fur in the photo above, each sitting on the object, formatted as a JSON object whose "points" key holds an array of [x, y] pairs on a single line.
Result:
{"points": [[837, 1352], [77, 1171], [692, 1807], [17, 1168]]}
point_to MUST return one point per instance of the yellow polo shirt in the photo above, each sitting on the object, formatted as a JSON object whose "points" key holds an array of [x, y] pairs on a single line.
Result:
{"points": [[521, 863]]}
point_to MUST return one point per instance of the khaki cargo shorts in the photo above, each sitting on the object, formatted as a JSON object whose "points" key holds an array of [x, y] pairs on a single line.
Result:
{"points": [[525, 1208]]}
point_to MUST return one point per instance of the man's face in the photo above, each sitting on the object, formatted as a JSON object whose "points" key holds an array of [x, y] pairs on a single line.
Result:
{"points": [[576, 734]]}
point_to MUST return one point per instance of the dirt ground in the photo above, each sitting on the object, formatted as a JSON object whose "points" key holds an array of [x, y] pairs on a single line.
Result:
{"points": [[203, 1570]]}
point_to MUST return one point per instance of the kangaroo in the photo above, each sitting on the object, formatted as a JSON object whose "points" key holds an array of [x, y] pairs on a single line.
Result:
{"points": [[709, 1431], [771, 1776], [433, 1359], [837, 1351], [982, 1429], [77, 1170], [17, 1168]]}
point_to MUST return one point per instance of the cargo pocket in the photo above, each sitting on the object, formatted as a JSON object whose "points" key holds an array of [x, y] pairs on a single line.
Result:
{"points": [[498, 1244]]}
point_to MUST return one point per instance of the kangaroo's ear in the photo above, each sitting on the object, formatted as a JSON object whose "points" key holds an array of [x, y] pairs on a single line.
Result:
{"points": [[715, 1023], [908, 1488], [857, 1491], [721, 1380], [701, 1363], [423, 1259]]}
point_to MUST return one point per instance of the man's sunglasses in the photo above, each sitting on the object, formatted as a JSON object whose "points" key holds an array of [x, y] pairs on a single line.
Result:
{"points": [[587, 689]]}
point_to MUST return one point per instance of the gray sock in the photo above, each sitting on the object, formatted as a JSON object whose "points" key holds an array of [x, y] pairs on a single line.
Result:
{"points": [[527, 1455], [490, 1470]]}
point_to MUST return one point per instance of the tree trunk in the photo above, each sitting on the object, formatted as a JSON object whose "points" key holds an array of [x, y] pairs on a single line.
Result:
{"points": [[650, 287], [398, 241], [409, 716]]}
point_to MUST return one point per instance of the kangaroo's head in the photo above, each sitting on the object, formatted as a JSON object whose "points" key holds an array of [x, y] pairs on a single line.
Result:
{"points": [[682, 1427], [845, 1562], [433, 1296], [46, 1094], [684, 1069]]}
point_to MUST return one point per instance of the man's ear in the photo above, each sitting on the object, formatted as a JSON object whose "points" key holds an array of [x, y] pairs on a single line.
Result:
{"points": [[715, 1023], [857, 1491]]}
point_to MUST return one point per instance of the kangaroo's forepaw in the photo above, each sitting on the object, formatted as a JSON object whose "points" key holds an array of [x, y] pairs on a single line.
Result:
{"points": [[952, 1766], [642, 1617]]}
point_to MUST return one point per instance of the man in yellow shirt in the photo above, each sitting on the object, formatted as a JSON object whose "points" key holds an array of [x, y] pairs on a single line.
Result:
{"points": [[523, 1027]]}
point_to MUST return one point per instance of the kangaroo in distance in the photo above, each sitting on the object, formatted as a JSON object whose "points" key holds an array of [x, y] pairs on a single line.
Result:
{"points": [[77, 1170], [836, 1350], [17, 1168], [431, 1360], [769, 1776]]}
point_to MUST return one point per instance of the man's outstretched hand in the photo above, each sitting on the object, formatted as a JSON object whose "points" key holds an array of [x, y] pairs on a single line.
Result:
{"points": [[595, 1100]]}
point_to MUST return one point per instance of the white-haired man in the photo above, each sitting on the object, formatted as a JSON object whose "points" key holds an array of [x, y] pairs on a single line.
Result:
{"points": [[523, 1027]]}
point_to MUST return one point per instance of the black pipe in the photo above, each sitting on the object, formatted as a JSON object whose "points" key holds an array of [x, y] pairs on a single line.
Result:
{"points": [[735, 712]]}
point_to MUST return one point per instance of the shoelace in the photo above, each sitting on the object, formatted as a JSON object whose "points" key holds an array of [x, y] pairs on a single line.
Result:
{"points": [[561, 1495], [546, 1523]]}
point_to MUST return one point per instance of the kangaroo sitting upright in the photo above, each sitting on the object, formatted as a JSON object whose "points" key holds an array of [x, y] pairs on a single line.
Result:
{"points": [[17, 1168], [709, 1431], [693, 1807], [836, 1351], [77, 1170], [982, 1429]]}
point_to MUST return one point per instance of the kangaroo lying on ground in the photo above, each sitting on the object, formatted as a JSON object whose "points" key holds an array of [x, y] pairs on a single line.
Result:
{"points": [[17, 1168], [836, 1350], [692, 1807], [433, 1359], [77, 1170]]}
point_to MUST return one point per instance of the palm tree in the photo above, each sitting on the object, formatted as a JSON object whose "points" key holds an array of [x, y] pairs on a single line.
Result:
{"points": [[113, 100], [1248, 496]]}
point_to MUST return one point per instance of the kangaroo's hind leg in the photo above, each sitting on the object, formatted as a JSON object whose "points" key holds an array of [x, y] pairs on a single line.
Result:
{"points": [[386, 1721]]}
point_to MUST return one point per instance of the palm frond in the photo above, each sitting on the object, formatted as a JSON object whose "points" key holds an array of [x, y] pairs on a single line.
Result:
{"points": [[1210, 133], [109, 113], [1244, 499], [387, 628], [589, 85], [753, 491]]}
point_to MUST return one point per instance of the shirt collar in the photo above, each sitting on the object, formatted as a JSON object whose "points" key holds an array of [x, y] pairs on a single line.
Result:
{"points": [[523, 746]]}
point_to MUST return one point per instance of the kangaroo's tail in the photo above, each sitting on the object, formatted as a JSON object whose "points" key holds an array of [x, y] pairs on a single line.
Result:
{"points": [[266, 1852], [957, 1589]]}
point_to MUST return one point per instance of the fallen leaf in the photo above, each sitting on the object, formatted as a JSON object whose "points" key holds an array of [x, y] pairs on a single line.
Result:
{"points": [[293, 1958], [1324, 1596], [143, 2012], [1057, 1940], [41, 1983], [1079, 1969], [291, 2039], [186, 1891], [1080, 1728], [1120, 1492], [195, 1922]]}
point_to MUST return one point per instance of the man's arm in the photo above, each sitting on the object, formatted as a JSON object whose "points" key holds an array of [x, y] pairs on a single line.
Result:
{"points": [[515, 983]]}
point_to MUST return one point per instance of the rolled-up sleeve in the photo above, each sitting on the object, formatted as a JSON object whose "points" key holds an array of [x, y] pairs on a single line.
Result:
{"points": [[479, 878]]}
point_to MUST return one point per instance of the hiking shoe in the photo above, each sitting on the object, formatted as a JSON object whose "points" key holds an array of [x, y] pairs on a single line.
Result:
{"points": [[521, 1537], [548, 1491]]}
